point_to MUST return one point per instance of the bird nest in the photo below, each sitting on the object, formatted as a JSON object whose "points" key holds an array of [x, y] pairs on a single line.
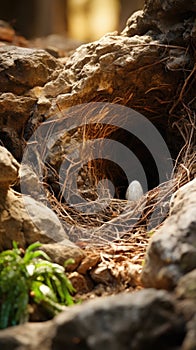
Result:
{"points": [[103, 220]]}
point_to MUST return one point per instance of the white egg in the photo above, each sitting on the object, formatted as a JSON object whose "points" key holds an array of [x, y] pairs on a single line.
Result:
{"points": [[134, 191]]}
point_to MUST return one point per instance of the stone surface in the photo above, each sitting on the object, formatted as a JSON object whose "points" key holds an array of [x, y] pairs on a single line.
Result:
{"points": [[82, 284], [186, 287], [186, 292], [161, 13], [117, 322], [100, 68], [15, 110], [144, 320], [31, 336], [60, 252], [15, 223], [14, 113], [9, 168], [45, 220], [172, 250], [132, 64], [144, 67], [190, 340], [22, 68], [91, 260], [29, 182]]}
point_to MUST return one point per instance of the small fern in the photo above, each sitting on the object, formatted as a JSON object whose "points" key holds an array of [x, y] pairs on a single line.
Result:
{"points": [[30, 275]]}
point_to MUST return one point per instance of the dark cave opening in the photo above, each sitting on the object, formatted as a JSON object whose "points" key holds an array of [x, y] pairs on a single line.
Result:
{"points": [[132, 146], [106, 168]]}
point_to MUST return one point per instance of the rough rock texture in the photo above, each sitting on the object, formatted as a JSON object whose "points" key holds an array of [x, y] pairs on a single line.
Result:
{"points": [[30, 181], [14, 113], [15, 222], [9, 168], [142, 321], [15, 110], [186, 287], [31, 336], [134, 63], [145, 67], [59, 253], [186, 292], [172, 250], [22, 69]]}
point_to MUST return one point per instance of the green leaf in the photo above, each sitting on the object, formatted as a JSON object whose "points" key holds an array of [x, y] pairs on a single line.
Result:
{"points": [[31, 275]]}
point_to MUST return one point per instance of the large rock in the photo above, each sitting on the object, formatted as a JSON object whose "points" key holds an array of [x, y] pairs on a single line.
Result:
{"points": [[186, 292], [15, 110], [24, 68], [60, 252], [133, 65], [23, 219], [126, 321], [166, 17], [172, 250], [142, 321], [9, 168], [15, 223], [29, 336]]}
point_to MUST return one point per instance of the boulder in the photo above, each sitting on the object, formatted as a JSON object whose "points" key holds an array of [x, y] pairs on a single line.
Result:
{"points": [[25, 68], [22, 218], [186, 293], [172, 250], [9, 168], [60, 252], [144, 320], [29, 336]]}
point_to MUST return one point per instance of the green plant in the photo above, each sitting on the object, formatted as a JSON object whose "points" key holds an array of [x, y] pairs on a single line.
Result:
{"points": [[150, 233], [27, 277]]}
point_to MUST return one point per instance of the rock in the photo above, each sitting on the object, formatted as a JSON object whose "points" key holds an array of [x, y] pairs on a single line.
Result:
{"points": [[172, 250], [8, 35], [45, 220], [28, 336], [125, 321], [186, 287], [24, 68], [190, 340], [164, 20], [102, 274], [186, 292], [129, 64], [15, 223], [29, 182], [9, 168], [82, 284], [14, 113], [10, 139], [15, 110], [100, 68], [177, 201], [91, 260], [60, 252]]}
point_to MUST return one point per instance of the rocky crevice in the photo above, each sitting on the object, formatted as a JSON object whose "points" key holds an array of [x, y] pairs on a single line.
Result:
{"points": [[149, 67]]}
